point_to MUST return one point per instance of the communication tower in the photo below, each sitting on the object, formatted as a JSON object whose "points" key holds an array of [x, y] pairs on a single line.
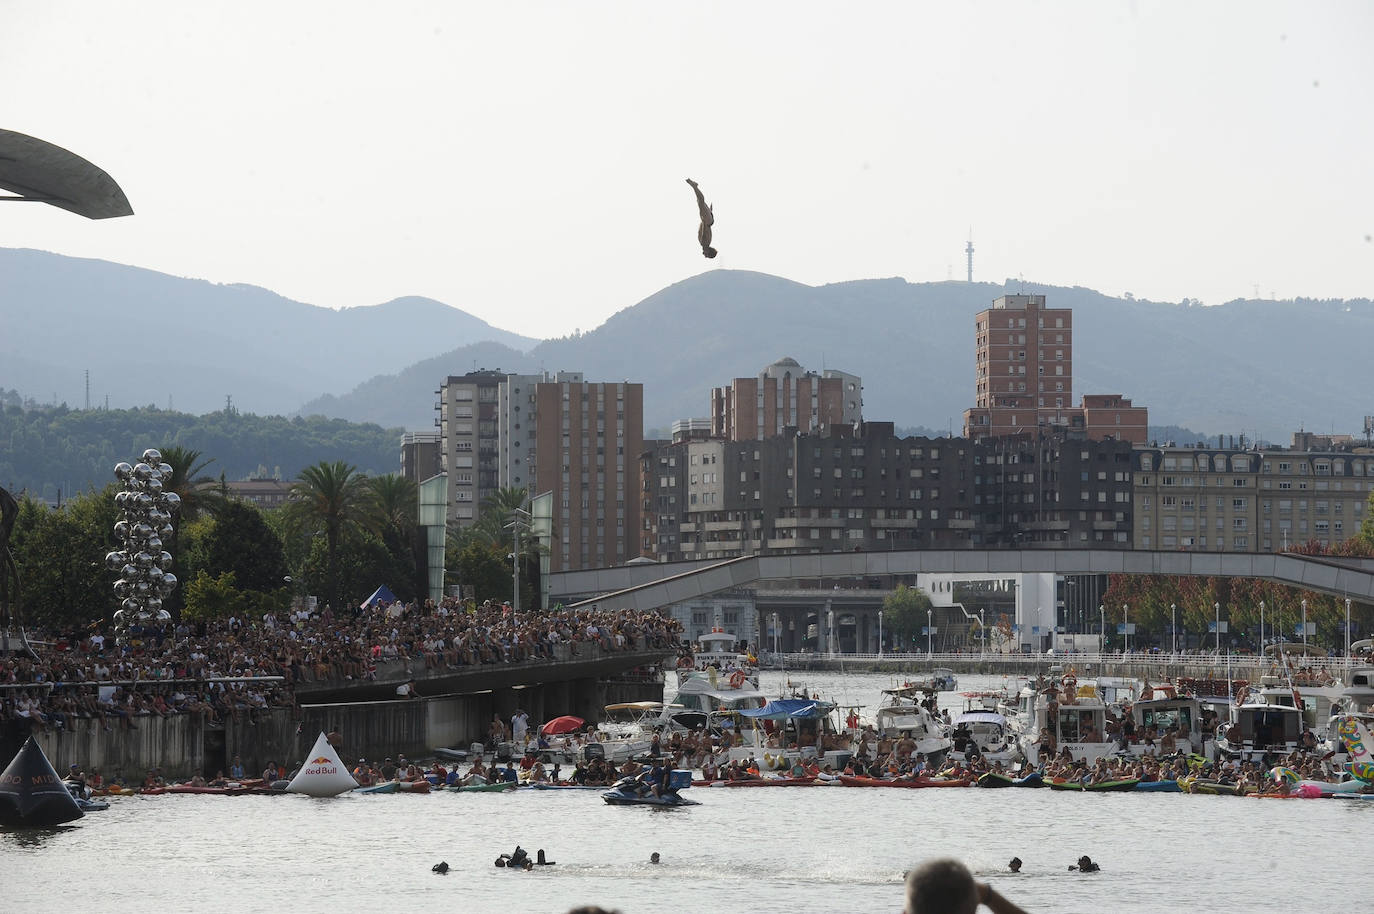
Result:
{"points": [[968, 249]]}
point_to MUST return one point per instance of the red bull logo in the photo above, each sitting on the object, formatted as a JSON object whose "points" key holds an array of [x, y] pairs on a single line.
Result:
{"points": [[322, 760]]}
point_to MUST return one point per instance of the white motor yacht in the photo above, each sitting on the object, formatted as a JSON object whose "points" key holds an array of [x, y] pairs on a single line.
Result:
{"points": [[1260, 727], [1064, 714]]}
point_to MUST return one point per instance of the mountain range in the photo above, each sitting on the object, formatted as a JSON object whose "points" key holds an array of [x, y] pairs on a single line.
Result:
{"points": [[1255, 367]]}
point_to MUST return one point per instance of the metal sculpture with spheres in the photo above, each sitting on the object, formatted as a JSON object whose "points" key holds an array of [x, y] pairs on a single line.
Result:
{"points": [[143, 565]]}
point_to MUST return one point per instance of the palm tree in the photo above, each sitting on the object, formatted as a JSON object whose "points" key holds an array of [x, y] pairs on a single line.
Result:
{"points": [[328, 498], [190, 482], [496, 512], [392, 504]]}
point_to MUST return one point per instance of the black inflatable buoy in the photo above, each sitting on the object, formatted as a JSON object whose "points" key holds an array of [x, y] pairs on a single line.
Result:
{"points": [[31, 793], [441, 868]]}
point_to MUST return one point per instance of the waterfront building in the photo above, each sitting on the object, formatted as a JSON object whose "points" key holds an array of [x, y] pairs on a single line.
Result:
{"points": [[1238, 499]]}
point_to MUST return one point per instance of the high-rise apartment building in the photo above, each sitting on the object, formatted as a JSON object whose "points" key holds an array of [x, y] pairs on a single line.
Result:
{"points": [[549, 433], [588, 440], [785, 395], [469, 435], [421, 455], [1024, 379]]}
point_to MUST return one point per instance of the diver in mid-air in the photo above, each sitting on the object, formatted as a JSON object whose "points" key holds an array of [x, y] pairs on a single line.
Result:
{"points": [[708, 219]]}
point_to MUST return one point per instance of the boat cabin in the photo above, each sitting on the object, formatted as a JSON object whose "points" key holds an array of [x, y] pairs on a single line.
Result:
{"points": [[1259, 728], [1183, 716]]}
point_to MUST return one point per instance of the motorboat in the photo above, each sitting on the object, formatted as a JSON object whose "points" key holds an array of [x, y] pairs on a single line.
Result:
{"points": [[1165, 711], [713, 690], [904, 717], [1067, 713], [632, 791], [984, 734], [1260, 729], [715, 650]]}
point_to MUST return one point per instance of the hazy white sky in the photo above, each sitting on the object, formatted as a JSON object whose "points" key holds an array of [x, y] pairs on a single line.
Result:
{"points": [[525, 161]]}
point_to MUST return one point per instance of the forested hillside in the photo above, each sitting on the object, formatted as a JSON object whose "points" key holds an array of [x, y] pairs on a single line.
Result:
{"points": [[46, 449]]}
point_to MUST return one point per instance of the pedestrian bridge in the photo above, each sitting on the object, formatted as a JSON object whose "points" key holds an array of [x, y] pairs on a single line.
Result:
{"points": [[654, 585]]}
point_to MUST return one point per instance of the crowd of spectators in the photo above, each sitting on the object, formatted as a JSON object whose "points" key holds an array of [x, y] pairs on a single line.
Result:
{"points": [[238, 667]]}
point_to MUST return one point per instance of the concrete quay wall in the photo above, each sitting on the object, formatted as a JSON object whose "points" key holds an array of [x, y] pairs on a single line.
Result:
{"points": [[185, 744]]}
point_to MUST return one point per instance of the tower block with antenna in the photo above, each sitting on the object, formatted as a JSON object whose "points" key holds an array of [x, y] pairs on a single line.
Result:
{"points": [[968, 249]]}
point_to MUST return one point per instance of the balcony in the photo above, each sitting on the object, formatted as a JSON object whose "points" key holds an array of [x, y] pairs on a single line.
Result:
{"points": [[721, 526]]}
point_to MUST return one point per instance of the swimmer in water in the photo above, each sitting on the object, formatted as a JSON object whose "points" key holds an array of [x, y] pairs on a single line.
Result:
{"points": [[653, 858], [1086, 865], [1015, 865]]}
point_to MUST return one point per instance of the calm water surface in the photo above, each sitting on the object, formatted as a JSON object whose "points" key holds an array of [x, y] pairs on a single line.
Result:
{"points": [[784, 850]]}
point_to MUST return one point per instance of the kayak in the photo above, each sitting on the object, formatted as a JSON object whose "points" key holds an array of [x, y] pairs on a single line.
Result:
{"points": [[1157, 787], [236, 791], [1201, 785], [855, 781], [1101, 787], [993, 779], [388, 787], [486, 788], [412, 786]]}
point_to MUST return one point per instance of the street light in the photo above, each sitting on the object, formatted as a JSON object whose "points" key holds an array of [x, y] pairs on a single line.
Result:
{"points": [[1101, 627], [1347, 631], [1173, 624], [1304, 626], [775, 633], [1261, 650], [1125, 629], [983, 630], [1217, 608], [880, 634], [930, 635]]}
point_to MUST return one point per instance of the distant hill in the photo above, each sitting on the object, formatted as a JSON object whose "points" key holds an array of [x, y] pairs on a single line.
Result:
{"points": [[1258, 368], [145, 336]]}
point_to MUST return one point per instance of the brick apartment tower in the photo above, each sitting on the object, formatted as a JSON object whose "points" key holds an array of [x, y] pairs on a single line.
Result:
{"points": [[588, 442], [1024, 371]]}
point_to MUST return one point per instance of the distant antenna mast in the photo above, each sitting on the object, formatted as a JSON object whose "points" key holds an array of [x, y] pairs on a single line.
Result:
{"points": [[88, 389], [968, 249]]}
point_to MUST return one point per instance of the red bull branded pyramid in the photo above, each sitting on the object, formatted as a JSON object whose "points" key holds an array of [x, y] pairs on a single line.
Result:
{"points": [[322, 775]]}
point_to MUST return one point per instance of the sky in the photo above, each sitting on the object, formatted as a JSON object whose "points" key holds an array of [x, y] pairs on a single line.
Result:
{"points": [[526, 161]]}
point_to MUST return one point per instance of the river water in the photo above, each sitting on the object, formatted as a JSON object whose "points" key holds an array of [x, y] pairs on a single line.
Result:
{"points": [[780, 850]]}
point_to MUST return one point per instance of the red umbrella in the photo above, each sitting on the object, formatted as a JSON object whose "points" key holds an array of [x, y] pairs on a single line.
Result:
{"points": [[565, 724]]}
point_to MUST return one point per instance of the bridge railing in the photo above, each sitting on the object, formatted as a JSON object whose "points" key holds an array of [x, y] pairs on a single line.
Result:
{"points": [[1180, 662]]}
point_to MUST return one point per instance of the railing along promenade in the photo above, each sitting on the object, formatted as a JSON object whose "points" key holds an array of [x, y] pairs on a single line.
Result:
{"points": [[1184, 664]]}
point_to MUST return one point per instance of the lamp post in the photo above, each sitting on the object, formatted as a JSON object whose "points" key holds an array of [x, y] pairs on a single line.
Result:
{"points": [[1125, 629], [1101, 627], [775, 633], [1261, 650], [982, 631], [1347, 631], [518, 518], [880, 634], [1304, 627], [1173, 625], [1217, 608], [930, 635]]}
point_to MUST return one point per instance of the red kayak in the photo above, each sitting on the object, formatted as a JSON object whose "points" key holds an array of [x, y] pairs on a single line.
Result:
{"points": [[855, 781], [758, 782], [218, 791]]}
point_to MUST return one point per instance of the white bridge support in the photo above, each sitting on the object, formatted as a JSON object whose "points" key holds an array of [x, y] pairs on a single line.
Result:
{"points": [[651, 586]]}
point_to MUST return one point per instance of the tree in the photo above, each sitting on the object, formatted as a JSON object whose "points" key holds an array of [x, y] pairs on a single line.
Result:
{"points": [[60, 557], [363, 563], [482, 567], [328, 499], [904, 612], [238, 540], [392, 506], [189, 481], [212, 598]]}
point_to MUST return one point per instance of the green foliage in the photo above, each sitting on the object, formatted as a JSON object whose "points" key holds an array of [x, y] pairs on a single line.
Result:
{"points": [[480, 566], [904, 612], [364, 563], [328, 498], [238, 540], [60, 555], [46, 449], [212, 598]]}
